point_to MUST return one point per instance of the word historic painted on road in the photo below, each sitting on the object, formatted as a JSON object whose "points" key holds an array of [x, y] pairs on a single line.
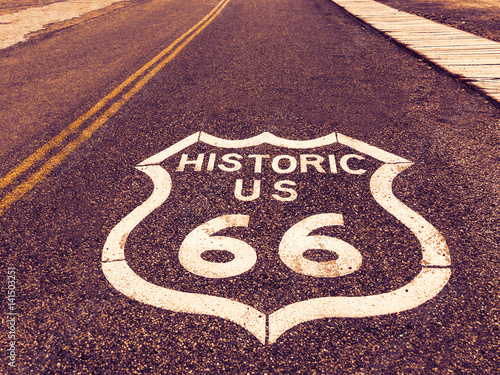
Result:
{"points": [[280, 164], [232, 225]]}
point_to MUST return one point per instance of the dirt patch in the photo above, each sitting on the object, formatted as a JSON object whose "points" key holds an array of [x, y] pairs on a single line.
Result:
{"points": [[56, 26], [32, 22], [480, 17], [12, 6]]}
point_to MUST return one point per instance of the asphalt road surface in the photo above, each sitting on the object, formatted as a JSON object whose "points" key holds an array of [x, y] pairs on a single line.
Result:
{"points": [[144, 242]]}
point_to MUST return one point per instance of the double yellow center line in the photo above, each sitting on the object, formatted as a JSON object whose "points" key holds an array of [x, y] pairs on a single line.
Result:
{"points": [[140, 78]]}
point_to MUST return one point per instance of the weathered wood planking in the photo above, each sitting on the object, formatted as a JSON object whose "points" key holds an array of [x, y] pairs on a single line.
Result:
{"points": [[469, 57]]}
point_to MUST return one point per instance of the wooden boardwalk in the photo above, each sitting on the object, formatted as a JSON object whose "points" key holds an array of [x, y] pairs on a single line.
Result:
{"points": [[470, 58]]}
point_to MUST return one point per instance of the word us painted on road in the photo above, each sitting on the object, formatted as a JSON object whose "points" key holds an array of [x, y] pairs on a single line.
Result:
{"points": [[259, 164], [270, 233]]}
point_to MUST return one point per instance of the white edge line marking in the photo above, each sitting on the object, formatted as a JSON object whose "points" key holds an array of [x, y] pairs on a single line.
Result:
{"points": [[115, 244], [373, 151], [125, 280], [228, 143], [269, 139], [422, 288], [425, 286], [435, 252], [175, 148]]}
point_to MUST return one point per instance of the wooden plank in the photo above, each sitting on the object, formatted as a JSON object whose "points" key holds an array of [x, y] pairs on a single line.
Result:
{"points": [[456, 48], [475, 59], [433, 34], [491, 71], [436, 40], [458, 42], [493, 94], [462, 62], [460, 53], [452, 63], [495, 82]]}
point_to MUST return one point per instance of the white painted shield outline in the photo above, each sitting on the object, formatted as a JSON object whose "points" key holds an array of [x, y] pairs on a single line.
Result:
{"points": [[426, 285]]}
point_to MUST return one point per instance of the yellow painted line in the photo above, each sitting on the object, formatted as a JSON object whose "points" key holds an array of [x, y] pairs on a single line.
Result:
{"points": [[57, 140], [432, 278], [57, 159]]}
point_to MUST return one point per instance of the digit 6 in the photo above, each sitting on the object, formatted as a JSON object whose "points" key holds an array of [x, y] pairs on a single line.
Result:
{"points": [[296, 241], [200, 240]]}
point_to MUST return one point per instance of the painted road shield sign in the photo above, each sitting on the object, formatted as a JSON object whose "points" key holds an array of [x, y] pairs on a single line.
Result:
{"points": [[270, 233]]}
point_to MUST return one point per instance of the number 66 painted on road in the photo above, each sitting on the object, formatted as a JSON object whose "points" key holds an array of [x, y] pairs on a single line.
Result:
{"points": [[294, 243], [267, 328]]}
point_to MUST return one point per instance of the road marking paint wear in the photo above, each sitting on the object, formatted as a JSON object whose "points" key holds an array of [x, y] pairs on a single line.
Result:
{"points": [[201, 239], [473, 59], [435, 265], [297, 240], [152, 68]]}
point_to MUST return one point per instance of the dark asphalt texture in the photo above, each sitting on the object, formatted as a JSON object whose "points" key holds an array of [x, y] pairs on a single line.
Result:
{"points": [[299, 69], [55, 77]]}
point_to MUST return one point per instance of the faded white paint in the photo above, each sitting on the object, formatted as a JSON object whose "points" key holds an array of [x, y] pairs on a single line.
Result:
{"points": [[296, 241], [344, 160], [290, 193], [422, 288], [238, 188], [201, 239], [280, 164], [125, 280], [435, 252], [15, 27], [433, 277]]}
